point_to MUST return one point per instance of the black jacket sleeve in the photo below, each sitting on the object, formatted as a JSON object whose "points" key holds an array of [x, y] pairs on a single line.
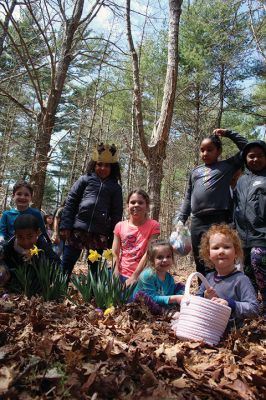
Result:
{"points": [[239, 140], [186, 206], [72, 203]]}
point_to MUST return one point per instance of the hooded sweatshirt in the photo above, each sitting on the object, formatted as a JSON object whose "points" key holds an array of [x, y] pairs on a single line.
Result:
{"points": [[250, 203]]}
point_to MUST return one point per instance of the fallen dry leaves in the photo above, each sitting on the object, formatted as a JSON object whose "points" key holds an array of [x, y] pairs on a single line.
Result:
{"points": [[66, 351]]}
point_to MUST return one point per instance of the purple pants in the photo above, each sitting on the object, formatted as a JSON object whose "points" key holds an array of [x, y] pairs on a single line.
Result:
{"points": [[258, 263]]}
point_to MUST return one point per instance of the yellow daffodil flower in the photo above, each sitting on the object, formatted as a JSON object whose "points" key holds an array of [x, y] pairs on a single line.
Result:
{"points": [[109, 311], [34, 251], [94, 256], [108, 255]]}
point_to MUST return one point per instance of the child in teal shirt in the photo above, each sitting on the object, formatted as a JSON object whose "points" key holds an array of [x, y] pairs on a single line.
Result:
{"points": [[156, 282]]}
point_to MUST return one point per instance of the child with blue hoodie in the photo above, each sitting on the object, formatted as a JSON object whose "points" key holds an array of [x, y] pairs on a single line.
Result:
{"points": [[22, 196], [250, 215]]}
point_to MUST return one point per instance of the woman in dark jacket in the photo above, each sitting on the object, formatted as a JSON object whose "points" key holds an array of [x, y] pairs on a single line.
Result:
{"points": [[93, 207]]}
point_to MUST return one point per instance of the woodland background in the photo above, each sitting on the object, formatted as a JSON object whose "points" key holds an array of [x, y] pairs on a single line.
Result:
{"points": [[73, 73]]}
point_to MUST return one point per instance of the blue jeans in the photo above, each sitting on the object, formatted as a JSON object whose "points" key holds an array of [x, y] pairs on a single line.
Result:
{"points": [[123, 279], [59, 248]]}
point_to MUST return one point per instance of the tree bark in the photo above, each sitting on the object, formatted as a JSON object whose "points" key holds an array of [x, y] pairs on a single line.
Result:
{"points": [[155, 151], [46, 117], [197, 135], [6, 23], [221, 97]]}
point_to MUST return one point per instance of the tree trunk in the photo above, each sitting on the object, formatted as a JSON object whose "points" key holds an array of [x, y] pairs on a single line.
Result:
{"points": [[6, 23], [5, 141], [46, 117], [73, 172], [197, 135], [131, 161], [155, 177], [155, 152], [221, 97], [38, 177]]}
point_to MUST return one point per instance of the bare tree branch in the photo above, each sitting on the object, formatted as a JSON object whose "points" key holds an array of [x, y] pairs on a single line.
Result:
{"points": [[254, 32], [5, 93], [9, 12]]}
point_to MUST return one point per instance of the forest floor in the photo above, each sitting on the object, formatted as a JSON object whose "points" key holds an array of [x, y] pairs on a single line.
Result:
{"points": [[65, 351]]}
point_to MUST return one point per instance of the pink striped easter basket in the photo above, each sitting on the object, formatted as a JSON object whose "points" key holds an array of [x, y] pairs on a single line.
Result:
{"points": [[201, 319]]}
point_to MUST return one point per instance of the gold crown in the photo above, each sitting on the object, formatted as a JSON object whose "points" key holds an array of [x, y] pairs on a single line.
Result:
{"points": [[105, 153]]}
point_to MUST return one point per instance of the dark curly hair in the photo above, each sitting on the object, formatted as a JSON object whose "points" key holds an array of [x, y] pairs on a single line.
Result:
{"points": [[26, 221], [215, 140]]}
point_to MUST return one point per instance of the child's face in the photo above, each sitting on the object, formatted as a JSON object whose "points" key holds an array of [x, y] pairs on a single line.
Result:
{"points": [[103, 170], [222, 253], [209, 152], [26, 238], [137, 206], [49, 220], [163, 259], [256, 159], [22, 198]]}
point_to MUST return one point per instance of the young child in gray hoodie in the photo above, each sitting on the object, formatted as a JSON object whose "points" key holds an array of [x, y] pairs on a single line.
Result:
{"points": [[221, 248]]}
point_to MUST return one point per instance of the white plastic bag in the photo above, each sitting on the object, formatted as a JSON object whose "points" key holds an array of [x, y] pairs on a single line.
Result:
{"points": [[180, 240]]}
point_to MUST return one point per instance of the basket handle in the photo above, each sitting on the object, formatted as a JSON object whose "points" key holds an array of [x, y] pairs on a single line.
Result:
{"points": [[189, 279]]}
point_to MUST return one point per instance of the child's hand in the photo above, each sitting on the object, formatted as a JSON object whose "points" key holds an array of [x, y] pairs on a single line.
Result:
{"points": [[55, 239], [219, 132], [220, 301], [131, 281], [175, 299], [65, 234], [116, 272], [210, 293], [179, 225]]}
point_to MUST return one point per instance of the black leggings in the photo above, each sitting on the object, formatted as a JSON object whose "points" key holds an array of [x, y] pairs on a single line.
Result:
{"points": [[199, 225]]}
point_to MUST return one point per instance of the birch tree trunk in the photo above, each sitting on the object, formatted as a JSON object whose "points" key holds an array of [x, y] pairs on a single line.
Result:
{"points": [[155, 151]]}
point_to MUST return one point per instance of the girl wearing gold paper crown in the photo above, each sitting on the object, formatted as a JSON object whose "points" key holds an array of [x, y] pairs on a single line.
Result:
{"points": [[93, 207]]}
